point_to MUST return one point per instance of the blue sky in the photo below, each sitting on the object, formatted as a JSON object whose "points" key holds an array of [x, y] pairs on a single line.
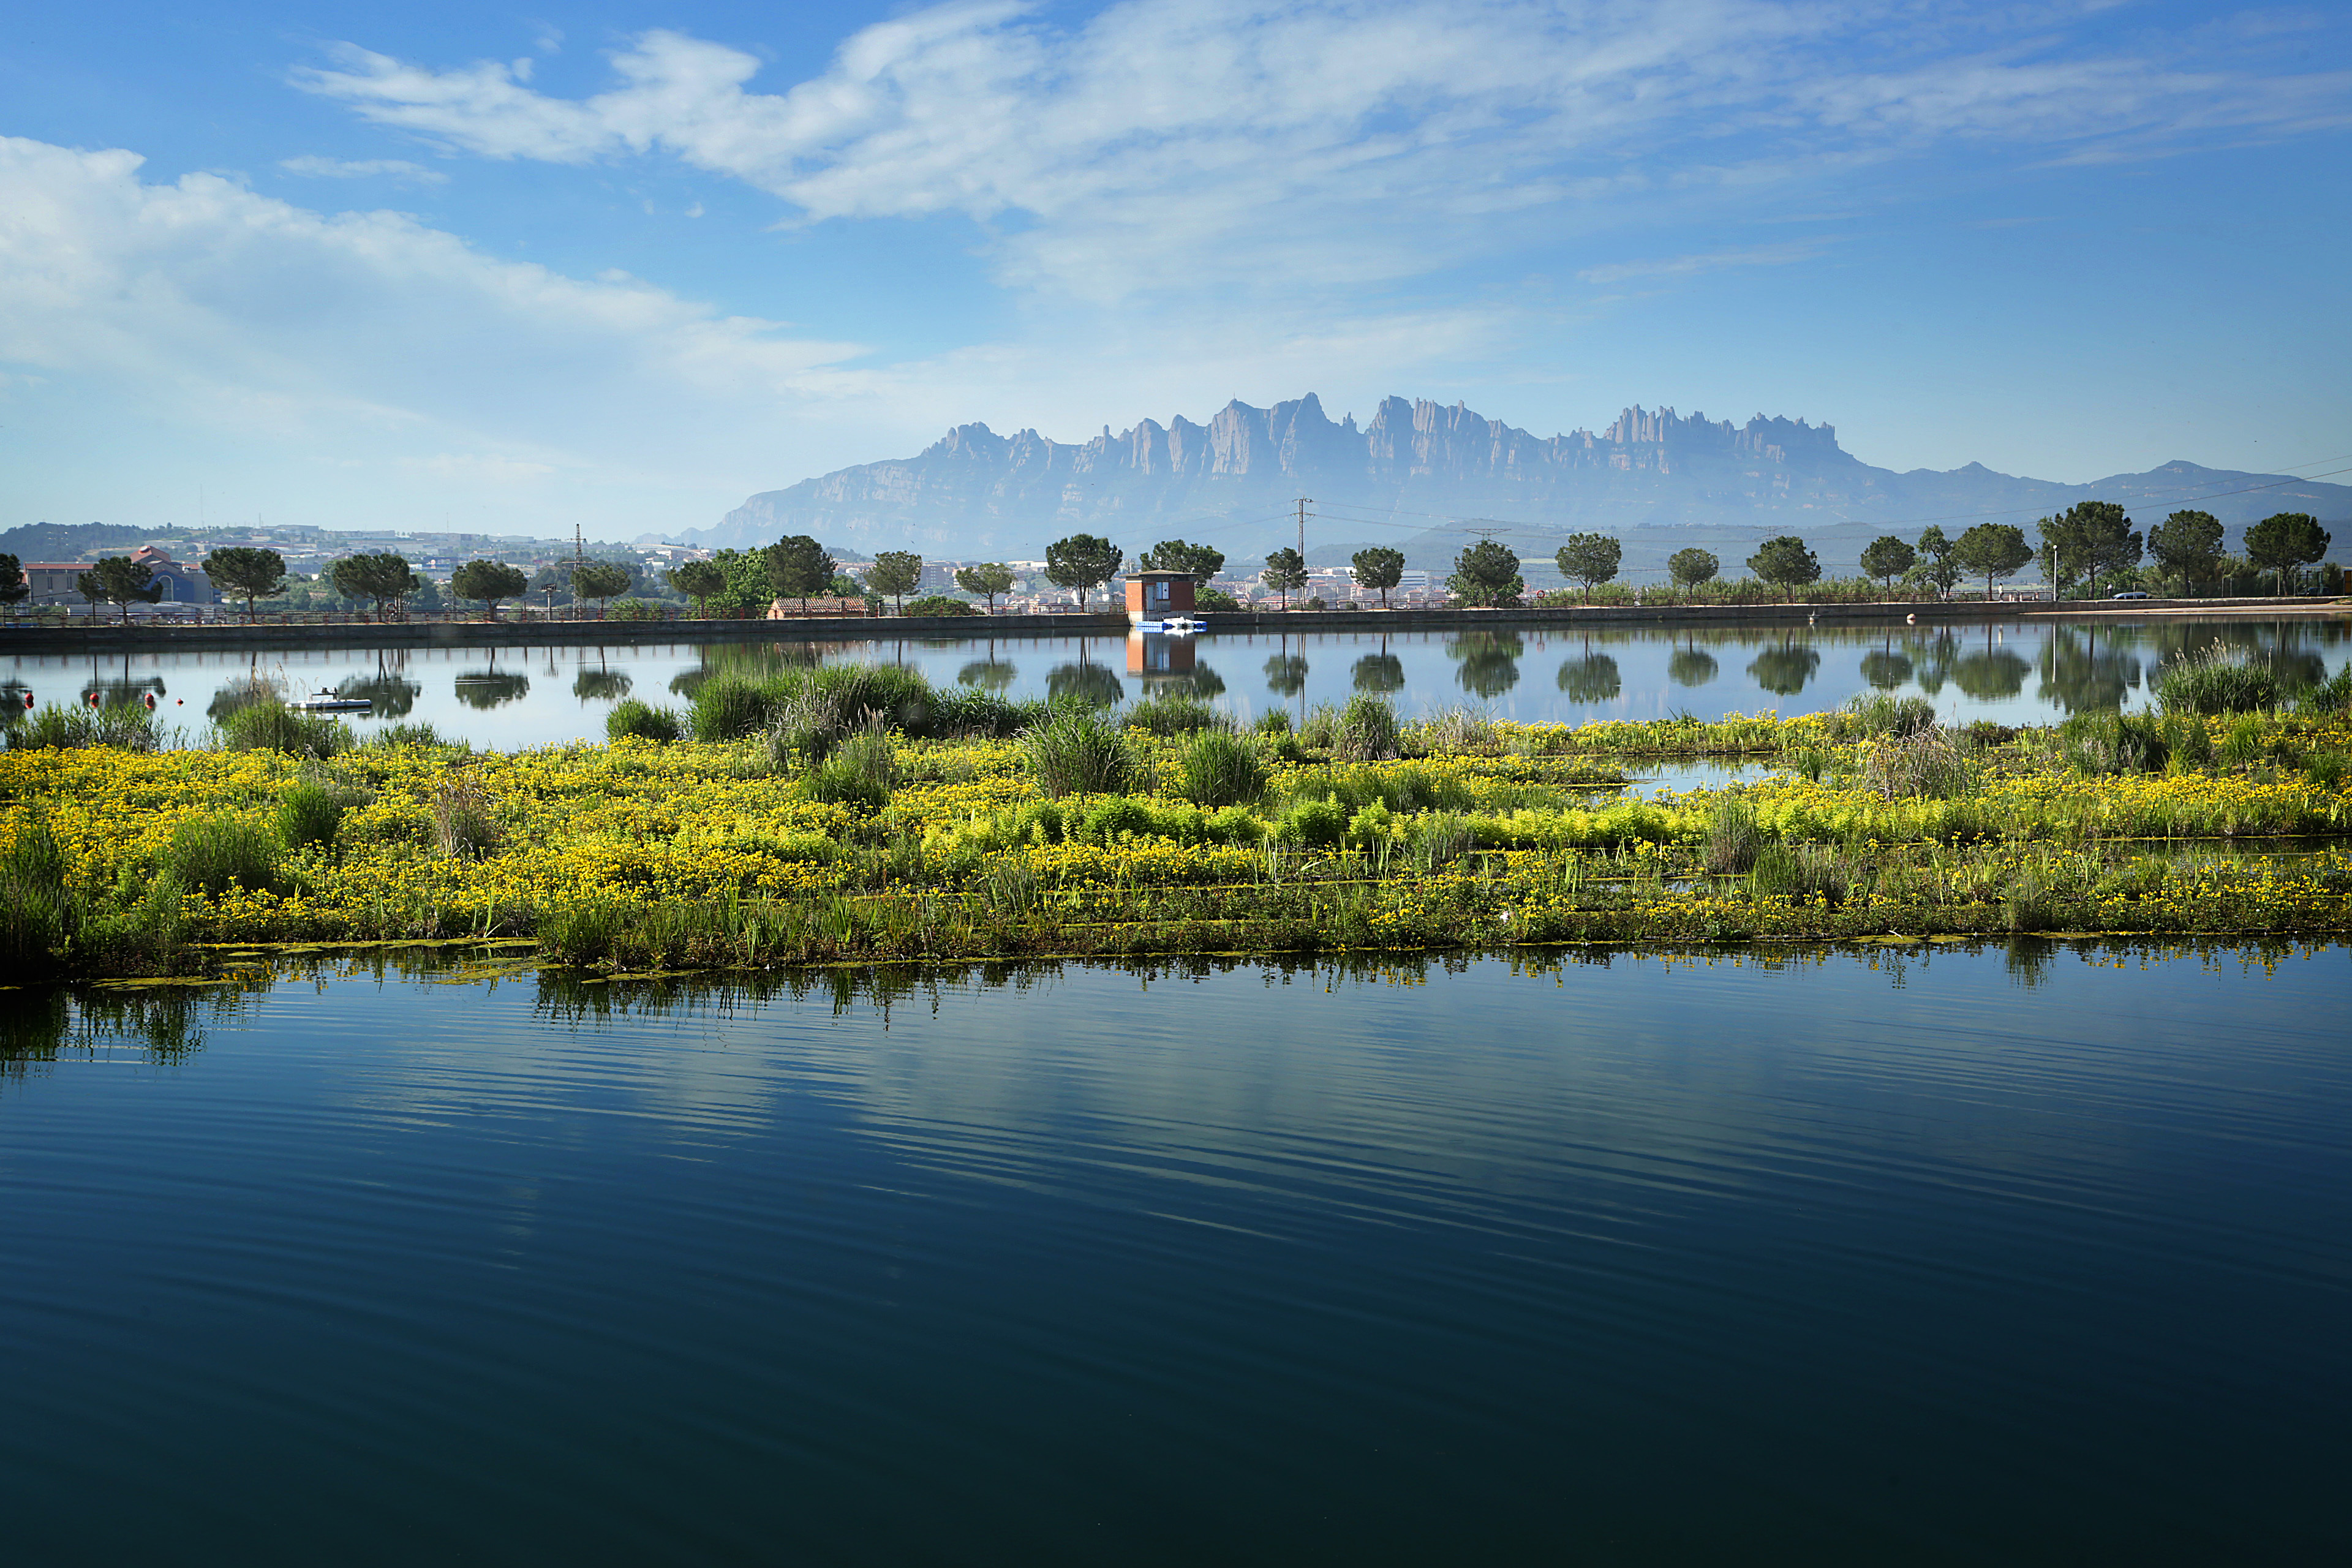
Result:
{"points": [[424, 264]]}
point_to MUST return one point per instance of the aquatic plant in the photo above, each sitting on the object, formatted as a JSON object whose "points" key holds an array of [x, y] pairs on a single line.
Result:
{"points": [[1079, 751], [634, 716]]}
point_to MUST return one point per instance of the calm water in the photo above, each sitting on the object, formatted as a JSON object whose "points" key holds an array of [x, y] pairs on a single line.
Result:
{"points": [[2032, 1256], [2015, 673]]}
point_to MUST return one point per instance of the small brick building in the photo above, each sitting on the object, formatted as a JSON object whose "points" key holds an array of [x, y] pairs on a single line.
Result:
{"points": [[1156, 595]]}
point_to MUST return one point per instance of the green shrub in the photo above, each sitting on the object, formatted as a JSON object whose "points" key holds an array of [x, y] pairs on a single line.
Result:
{"points": [[1316, 824], [397, 736], [213, 853], [1367, 731], [941, 605], [309, 814], [1275, 722], [123, 726], [964, 710], [274, 727], [1219, 768], [2219, 680], [862, 771], [1321, 728], [634, 717], [2333, 695], [877, 694], [2114, 742], [730, 708], [1171, 714], [1882, 713], [1078, 752], [1799, 874], [2325, 769]]}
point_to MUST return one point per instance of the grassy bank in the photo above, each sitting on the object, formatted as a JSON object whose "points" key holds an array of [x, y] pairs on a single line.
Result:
{"points": [[810, 825]]}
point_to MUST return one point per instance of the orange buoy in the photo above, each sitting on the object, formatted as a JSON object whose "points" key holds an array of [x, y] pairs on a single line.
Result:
{"points": [[149, 700]]}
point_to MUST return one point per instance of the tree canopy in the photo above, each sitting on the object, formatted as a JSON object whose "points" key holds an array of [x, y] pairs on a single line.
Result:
{"points": [[13, 585], [799, 567], [1083, 562], [1786, 562], [2188, 542], [600, 580], [1286, 572], [119, 579], [1992, 551], [896, 574], [1487, 573], [1936, 568], [698, 579], [1691, 566], [254, 573], [1886, 558], [1379, 568], [1590, 559], [988, 579], [488, 581], [2281, 543], [2093, 537], [382, 578], [1176, 556]]}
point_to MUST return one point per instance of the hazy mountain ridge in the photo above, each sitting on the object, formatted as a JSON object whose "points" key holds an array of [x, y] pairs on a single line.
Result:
{"points": [[975, 493]]}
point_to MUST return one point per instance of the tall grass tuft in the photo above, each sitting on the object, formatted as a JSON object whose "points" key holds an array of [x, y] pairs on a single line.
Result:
{"points": [[1219, 768], [2110, 742], [38, 914], [1883, 713], [274, 727], [1171, 713], [634, 716], [464, 826], [2218, 680], [123, 726], [730, 708], [393, 736], [1734, 839], [861, 771], [1920, 764], [1455, 730], [1078, 752], [214, 852], [309, 814], [1367, 731]]}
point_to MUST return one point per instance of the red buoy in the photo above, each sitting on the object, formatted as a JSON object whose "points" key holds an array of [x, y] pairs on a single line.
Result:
{"points": [[149, 700]]}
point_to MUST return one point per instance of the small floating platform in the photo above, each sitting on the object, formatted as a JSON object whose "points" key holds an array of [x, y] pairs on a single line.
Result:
{"points": [[327, 703]]}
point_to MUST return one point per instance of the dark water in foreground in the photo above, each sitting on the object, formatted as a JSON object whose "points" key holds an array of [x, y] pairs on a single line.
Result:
{"points": [[2019, 672], [1979, 1257]]}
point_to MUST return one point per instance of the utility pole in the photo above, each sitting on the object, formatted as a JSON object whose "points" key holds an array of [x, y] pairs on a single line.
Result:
{"points": [[1304, 502]]}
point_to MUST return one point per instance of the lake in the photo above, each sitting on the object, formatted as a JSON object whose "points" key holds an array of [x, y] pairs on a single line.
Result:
{"points": [[1918, 1253], [2016, 672]]}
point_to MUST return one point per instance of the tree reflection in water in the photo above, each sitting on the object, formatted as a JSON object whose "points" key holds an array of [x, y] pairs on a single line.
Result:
{"points": [[1085, 682], [1378, 674], [389, 696], [1784, 670], [487, 689], [1885, 668], [2080, 676], [1692, 667], [601, 685], [1286, 674], [1592, 679], [1490, 661], [991, 674]]}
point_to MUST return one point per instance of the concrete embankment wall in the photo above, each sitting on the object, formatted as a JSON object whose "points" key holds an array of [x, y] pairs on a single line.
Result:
{"points": [[617, 633]]}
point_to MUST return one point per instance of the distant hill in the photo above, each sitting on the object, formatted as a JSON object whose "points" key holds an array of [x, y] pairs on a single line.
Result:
{"points": [[1420, 465]]}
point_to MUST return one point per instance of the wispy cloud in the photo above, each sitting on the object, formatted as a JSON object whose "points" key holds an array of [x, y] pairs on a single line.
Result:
{"points": [[399, 169], [1351, 141], [1780, 255]]}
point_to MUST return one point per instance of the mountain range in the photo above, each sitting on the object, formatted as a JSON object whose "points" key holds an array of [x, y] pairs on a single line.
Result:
{"points": [[1417, 473]]}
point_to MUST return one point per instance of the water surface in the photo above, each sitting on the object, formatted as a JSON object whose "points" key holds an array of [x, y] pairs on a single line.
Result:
{"points": [[2013, 673], [1936, 1255]]}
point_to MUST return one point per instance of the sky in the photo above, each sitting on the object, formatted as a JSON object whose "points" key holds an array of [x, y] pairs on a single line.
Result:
{"points": [[425, 266]]}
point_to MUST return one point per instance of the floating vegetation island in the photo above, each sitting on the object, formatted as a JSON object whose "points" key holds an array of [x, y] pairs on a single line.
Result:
{"points": [[853, 814]]}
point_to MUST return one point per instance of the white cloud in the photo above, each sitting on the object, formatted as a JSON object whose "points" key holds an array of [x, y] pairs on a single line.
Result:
{"points": [[1780, 255], [1345, 141], [199, 309], [399, 169]]}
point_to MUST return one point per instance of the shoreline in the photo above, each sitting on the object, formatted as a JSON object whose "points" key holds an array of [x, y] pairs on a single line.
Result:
{"points": [[233, 637]]}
